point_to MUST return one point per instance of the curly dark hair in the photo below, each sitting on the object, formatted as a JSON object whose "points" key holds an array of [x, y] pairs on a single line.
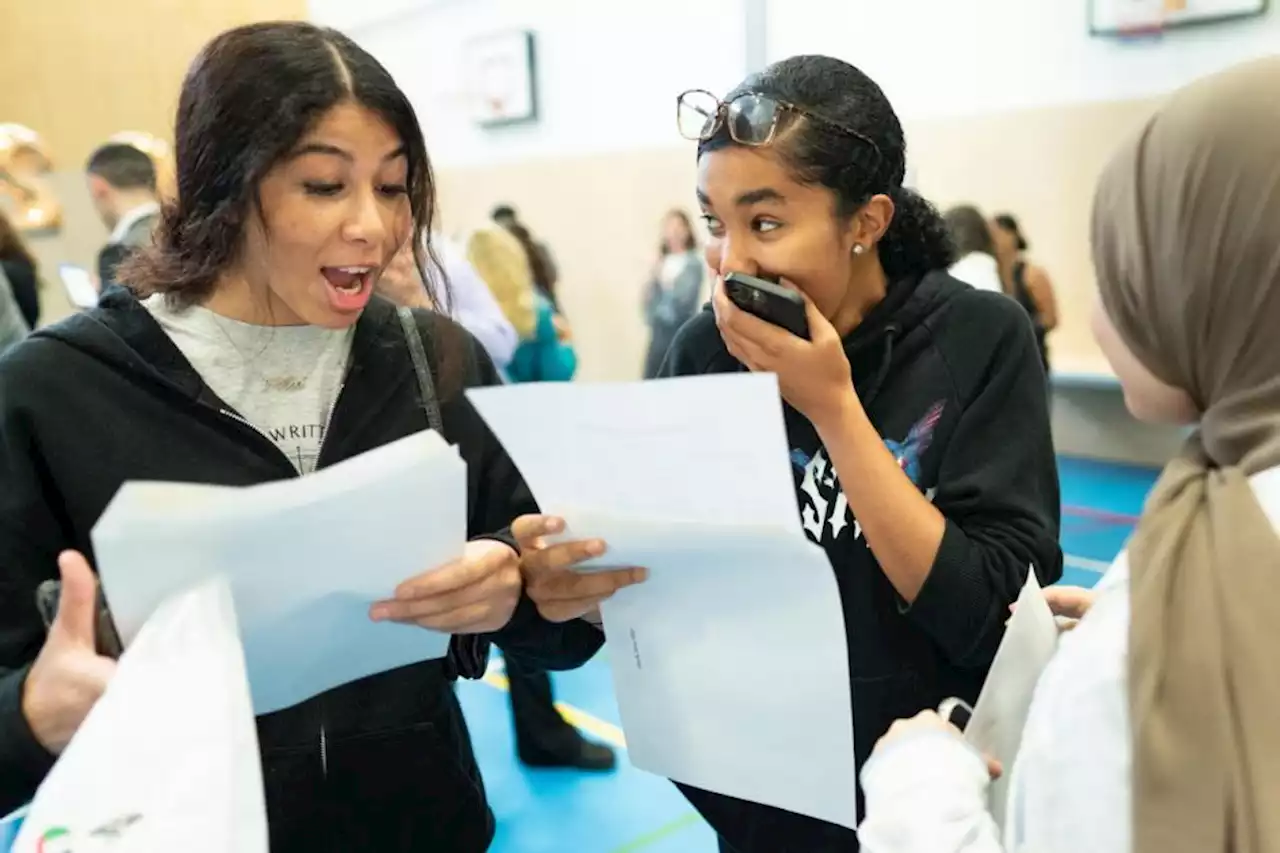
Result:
{"points": [[250, 95], [917, 240]]}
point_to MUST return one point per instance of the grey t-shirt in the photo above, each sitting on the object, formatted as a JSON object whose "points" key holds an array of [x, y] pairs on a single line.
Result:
{"points": [[283, 380]]}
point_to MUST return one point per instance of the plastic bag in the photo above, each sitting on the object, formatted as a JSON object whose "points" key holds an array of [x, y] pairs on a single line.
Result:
{"points": [[168, 758]]}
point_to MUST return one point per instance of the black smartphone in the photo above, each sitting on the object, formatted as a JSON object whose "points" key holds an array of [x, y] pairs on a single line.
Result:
{"points": [[49, 592], [769, 301]]}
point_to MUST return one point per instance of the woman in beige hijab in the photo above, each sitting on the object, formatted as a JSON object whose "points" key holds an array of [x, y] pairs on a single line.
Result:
{"points": [[1156, 728]]}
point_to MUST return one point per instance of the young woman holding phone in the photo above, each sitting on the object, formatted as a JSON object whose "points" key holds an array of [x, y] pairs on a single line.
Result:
{"points": [[915, 410]]}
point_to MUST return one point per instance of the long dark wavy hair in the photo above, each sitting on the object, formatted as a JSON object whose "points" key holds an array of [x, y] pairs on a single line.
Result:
{"points": [[250, 95], [542, 278]]}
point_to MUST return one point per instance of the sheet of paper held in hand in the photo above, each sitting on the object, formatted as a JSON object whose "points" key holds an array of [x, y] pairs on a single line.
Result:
{"points": [[168, 758], [305, 557], [1030, 639], [691, 479]]}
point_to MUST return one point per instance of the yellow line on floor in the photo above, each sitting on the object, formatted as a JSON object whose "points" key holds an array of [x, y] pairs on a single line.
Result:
{"points": [[592, 725]]}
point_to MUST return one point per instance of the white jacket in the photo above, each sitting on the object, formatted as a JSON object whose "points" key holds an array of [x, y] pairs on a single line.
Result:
{"points": [[978, 270], [1071, 785]]}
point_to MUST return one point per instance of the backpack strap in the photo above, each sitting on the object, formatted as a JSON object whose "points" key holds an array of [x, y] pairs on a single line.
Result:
{"points": [[468, 655], [426, 384]]}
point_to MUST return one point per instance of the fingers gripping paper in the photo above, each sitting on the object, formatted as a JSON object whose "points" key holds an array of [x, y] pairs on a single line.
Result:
{"points": [[690, 478], [168, 758]]}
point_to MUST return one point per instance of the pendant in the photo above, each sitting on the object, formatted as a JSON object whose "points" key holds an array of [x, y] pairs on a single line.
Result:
{"points": [[284, 383]]}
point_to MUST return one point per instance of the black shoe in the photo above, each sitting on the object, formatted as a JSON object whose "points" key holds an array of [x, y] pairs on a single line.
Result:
{"points": [[581, 755]]}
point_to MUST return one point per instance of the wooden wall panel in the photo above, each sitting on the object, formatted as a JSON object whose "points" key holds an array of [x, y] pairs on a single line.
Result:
{"points": [[78, 71]]}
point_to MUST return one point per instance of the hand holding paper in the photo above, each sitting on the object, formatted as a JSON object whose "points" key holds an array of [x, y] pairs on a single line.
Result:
{"points": [[472, 595], [930, 721], [69, 675], [561, 592], [306, 559], [168, 758]]}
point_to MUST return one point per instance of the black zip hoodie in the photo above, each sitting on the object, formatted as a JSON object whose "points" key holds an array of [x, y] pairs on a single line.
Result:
{"points": [[105, 397], [951, 378]]}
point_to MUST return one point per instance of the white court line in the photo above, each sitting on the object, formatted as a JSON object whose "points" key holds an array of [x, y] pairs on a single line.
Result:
{"points": [[1098, 566]]}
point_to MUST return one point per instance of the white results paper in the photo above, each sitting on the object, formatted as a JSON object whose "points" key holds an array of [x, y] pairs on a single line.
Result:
{"points": [[690, 478], [305, 559]]}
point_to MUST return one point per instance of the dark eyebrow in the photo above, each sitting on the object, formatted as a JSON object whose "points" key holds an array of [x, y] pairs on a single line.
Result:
{"points": [[335, 151], [751, 197]]}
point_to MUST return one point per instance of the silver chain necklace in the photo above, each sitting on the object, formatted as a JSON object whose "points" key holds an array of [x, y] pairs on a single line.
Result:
{"points": [[281, 384]]}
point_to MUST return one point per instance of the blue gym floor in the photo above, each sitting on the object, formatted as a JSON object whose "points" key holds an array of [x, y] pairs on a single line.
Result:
{"points": [[629, 811]]}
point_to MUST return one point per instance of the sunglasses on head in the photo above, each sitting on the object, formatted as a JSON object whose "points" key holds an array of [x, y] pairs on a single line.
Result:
{"points": [[751, 118]]}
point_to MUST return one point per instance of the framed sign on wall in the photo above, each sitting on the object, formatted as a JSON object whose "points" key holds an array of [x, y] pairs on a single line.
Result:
{"points": [[1122, 17], [501, 75]]}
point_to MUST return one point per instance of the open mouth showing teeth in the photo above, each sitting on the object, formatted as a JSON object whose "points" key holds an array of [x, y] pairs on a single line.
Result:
{"points": [[347, 280]]}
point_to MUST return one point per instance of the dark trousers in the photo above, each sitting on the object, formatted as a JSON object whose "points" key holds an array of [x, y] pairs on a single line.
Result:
{"points": [[539, 728]]}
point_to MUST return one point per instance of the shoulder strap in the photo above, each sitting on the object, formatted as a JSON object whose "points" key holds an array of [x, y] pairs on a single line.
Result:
{"points": [[468, 655], [426, 385]]}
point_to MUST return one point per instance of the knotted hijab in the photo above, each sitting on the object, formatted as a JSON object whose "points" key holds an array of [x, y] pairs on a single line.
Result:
{"points": [[1186, 237]]}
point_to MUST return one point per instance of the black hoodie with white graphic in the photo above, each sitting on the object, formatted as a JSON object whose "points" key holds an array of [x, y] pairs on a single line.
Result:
{"points": [[951, 380]]}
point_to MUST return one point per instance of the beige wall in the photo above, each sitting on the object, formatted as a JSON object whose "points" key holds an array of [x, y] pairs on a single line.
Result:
{"points": [[78, 71], [600, 214]]}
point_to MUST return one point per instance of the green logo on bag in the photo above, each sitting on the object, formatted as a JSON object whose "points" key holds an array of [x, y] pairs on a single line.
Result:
{"points": [[51, 835]]}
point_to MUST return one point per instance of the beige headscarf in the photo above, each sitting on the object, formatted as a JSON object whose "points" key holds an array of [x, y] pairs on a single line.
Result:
{"points": [[1186, 235]]}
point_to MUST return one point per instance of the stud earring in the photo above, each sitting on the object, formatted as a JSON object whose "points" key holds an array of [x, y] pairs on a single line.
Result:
{"points": [[858, 248]]}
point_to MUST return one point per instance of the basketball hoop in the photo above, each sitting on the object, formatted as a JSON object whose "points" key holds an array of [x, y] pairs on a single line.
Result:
{"points": [[1150, 31], [1135, 20]]}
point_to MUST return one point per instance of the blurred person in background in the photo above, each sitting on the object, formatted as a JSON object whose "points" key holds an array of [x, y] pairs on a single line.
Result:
{"points": [[122, 184], [548, 355], [13, 328], [500, 261], [471, 303], [20, 267], [674, 289], [505, 215], [975, 262], [1024, 281]]}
